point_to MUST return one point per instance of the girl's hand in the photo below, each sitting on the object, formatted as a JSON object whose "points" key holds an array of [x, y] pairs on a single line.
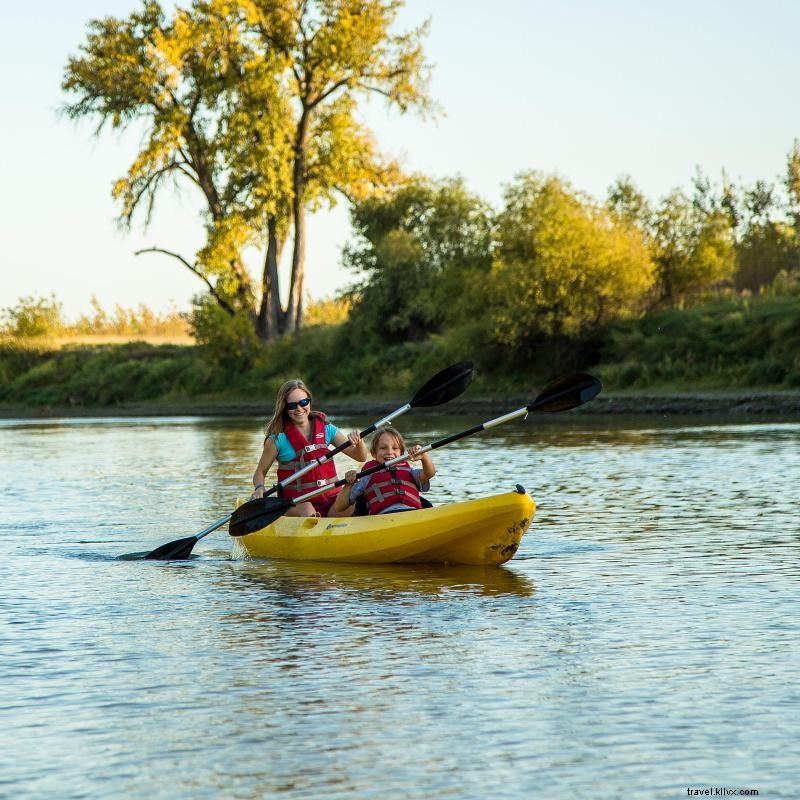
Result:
{"points": [[413, 453], [350, 476]]}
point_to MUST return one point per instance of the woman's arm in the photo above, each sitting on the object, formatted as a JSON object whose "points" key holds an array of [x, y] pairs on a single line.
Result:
{"points": [[268, 457], [357, 449]]}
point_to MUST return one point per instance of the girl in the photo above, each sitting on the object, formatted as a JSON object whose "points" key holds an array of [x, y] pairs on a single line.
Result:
{"points": [[395, 488], [297, 436]]}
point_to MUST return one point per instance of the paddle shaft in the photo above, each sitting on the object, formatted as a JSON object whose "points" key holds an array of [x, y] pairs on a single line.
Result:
{"points": [[212, 527]]}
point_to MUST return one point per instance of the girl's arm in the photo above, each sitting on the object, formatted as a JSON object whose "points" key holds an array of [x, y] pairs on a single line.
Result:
{"points": [[268, 457], [358, 448], [342, 500], [428, 470]]}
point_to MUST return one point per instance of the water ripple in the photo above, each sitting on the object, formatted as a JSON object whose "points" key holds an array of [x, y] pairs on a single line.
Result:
{"points": [[643, 640]]}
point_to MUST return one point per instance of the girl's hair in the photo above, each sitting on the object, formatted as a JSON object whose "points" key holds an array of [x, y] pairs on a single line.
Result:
{"points": [[278, 422], [387, 431]]}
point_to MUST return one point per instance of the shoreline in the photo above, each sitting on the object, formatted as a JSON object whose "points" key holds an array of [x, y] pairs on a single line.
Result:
{"points": [[756, 403]]}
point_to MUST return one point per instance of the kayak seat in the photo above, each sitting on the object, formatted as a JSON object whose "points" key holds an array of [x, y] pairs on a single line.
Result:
{"points": [[361, 506]]}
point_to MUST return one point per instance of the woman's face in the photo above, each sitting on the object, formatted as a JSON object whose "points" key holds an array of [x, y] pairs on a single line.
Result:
{"points": [[295, 412], [387, 448]]}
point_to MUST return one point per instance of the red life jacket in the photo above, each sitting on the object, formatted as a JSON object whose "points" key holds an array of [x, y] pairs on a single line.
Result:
{"points": [[389, 486], [305, 453]]}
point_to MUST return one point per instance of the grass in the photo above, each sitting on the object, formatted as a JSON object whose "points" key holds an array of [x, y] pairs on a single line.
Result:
{"points": [[727, 345]]}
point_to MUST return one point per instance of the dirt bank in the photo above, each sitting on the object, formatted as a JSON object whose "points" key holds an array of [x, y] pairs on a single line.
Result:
{"points": [[752, 404]]}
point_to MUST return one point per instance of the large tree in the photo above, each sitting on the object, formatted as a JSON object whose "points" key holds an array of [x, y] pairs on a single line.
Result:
{"points": [[254, 103]]}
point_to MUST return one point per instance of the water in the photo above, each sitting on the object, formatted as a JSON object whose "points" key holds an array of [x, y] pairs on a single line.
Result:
{"points": [[643, 641]]}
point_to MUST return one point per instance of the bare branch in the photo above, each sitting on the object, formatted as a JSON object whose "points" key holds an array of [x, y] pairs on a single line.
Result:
{"points": [[221, 300]]}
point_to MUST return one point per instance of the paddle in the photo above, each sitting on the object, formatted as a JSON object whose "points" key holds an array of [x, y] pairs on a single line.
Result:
{"points": [[561, 394], [441, 388]]}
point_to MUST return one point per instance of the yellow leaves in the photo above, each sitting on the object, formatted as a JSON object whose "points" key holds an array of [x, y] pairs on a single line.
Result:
{"points": [[221, 87]]}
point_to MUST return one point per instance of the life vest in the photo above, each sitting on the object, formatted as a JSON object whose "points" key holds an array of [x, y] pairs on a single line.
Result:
{"points": [[307, 452], [389, 486]]}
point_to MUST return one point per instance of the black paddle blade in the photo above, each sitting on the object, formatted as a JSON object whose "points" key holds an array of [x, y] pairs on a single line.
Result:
{"points": [[445, 385], [256, 514], [565, 393], [173, 551]]}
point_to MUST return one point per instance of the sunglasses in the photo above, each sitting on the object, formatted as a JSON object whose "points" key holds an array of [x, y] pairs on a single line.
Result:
{"points": [[302, 403]]}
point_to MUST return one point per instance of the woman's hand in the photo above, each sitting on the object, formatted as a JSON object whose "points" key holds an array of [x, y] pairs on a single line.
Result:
{"points": [[354, 437], [258, 492]]}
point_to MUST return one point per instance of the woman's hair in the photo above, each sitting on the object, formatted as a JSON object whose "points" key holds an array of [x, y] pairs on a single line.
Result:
{"points": [[387, 431], [277, 424]]}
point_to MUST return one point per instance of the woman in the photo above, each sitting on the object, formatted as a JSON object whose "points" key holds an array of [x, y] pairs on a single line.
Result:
{"points": [[297, 436]]}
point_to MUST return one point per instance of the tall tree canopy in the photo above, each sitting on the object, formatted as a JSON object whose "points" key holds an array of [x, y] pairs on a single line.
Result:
{"points": [[254, 103]]}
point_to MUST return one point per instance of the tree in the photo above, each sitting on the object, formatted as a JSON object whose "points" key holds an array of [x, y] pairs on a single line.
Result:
{"points": [[767, 244], [254, 104], [563, 265], [414, 252], [692, 246], [792, 183], [627, 203]]}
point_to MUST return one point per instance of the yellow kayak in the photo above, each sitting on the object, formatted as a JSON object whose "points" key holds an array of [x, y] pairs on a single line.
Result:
{"points": [[481, 532]]}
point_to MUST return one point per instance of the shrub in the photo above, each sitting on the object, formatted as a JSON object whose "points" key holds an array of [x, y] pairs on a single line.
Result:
{"points": [[33, 316]]}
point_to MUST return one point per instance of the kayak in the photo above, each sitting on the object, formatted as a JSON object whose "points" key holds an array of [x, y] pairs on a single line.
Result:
{"points": [[483, 532]]}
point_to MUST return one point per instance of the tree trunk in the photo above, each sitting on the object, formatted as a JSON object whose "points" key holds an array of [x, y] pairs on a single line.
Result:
{"points": [[268, 322], [293, 318]]}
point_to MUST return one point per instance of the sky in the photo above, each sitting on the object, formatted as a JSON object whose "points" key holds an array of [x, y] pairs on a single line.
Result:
{"points": [[586, 89]]}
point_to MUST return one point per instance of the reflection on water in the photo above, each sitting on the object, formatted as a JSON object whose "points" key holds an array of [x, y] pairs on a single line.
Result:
{"points": [[381, 581], [644, 638]]}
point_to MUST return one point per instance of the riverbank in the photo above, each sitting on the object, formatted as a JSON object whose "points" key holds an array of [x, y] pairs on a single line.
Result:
{"points": [[756, 403]]}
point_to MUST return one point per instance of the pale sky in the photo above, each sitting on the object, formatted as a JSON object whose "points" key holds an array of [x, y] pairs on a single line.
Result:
{"points": [[587, 90]]}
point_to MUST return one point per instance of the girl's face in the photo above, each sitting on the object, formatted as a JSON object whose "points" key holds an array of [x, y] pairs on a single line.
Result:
{"points": [[294, 411], [387, 448]]}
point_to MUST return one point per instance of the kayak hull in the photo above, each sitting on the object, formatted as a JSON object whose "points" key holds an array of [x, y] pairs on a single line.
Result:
{"points": [[482, 532]]}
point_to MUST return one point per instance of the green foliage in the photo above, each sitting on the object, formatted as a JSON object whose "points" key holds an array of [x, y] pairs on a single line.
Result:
{"points": [[420, 252], [785, 283], [766, 250], [103, 375], [562, 265], [627, 203], [229, 341], [692, 247], [738, 342], [32, 316]]}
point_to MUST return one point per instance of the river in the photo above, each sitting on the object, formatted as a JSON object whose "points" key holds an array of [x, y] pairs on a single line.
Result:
{"points": [[643, 641]]}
